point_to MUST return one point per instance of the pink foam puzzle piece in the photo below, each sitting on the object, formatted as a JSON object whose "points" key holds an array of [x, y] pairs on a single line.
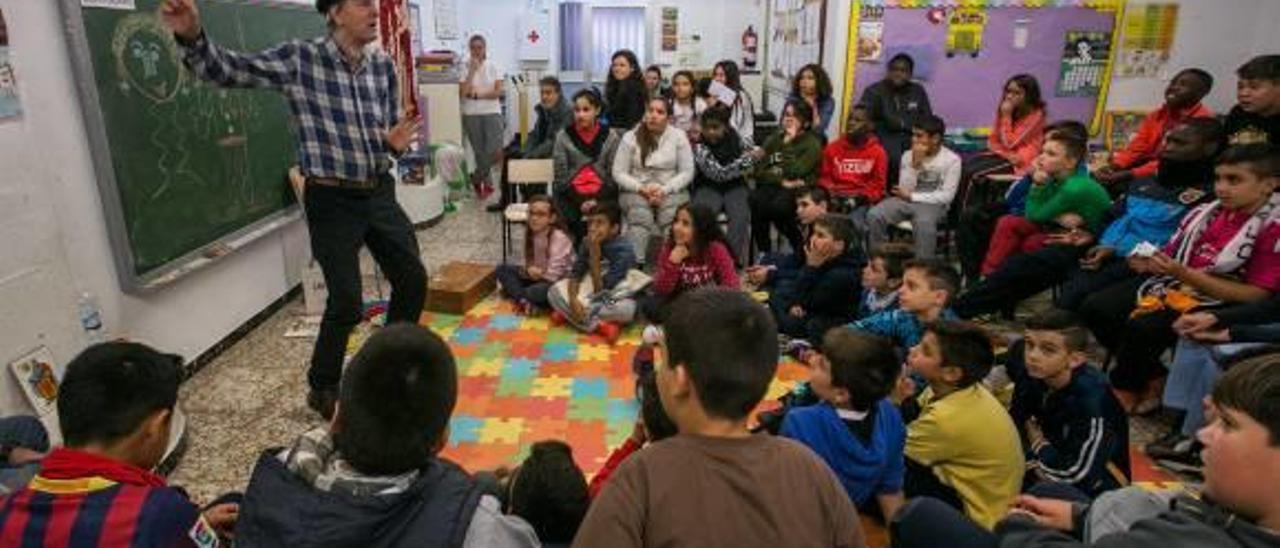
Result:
{"points": [[552, 387], [473, 386], [528, 350], [548, 408], [501, 430]]}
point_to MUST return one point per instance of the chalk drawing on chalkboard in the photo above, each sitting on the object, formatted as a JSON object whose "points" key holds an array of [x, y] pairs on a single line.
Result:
{"points": [[147, 58]]}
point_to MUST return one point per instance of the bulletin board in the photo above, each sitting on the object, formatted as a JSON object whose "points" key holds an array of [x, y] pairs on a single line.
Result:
{"points": [[1068, 45]]}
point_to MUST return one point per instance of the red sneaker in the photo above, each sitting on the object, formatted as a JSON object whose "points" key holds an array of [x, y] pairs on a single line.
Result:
{"points": [[558, 319], [609, 331]]}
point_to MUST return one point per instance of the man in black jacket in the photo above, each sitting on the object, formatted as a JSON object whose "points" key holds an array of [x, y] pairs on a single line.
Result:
{"points": [[895, 104]]}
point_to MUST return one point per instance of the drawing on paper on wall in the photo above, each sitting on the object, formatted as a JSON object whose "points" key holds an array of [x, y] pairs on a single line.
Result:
{"points": [[1084, 63], [446, 12], [964, 31], [670, 29], [35, 374], [10, 106], [1148, 38], [796, 39]]}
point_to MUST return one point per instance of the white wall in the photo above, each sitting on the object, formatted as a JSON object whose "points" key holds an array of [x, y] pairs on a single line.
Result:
{"points": [[1224, 35], [53, 241]]}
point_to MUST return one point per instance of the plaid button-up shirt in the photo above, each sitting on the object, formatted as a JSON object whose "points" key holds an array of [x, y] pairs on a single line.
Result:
{"points": [[340, 112]]}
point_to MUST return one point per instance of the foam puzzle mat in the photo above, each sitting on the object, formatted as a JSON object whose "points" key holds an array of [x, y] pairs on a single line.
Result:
{"points": [[522, 380]]}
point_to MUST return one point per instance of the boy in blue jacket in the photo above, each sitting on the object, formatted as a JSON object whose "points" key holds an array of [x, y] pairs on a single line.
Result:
{"points": [[856, 429]]}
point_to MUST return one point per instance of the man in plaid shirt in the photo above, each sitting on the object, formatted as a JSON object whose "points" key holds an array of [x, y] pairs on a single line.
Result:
{"points": [[348, 123]]}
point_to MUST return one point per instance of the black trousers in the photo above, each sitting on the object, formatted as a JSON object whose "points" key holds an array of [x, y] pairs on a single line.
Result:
{"points": [[1083, 283], [1137, 343], [341, 220], [776, 206], [1021, 277]]}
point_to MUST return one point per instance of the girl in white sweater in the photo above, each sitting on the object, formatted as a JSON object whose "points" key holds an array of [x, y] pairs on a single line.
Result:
{"points": [[653, 168]]}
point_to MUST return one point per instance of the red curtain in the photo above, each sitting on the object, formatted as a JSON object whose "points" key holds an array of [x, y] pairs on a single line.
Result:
{"points": [[394, 29]]}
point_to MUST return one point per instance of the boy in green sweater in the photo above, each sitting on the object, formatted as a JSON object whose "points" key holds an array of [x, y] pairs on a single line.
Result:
{"points": [[1063, 205]]}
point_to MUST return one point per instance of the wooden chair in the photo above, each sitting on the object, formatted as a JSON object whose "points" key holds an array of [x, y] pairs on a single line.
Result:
{"points": [[522, 173]]}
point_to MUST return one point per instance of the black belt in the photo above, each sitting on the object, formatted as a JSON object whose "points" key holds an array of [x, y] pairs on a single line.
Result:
{"points": [[337, 182]]}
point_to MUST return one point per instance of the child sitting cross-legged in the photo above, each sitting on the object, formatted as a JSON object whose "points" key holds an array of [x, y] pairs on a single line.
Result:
{"points": [[714, 483], [548, 254], [882, 278], [599, 293], [856, 428], [1072, 426], [962, 447], [115, 405], [826, 290], [694, 255]]}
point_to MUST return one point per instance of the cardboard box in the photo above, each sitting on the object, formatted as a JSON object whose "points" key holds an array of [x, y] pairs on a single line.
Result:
{"points": [[458, 286]]}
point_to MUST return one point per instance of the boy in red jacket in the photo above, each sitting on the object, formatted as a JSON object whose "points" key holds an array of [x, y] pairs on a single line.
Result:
{"points": [[1141, 158], [855, 168]]}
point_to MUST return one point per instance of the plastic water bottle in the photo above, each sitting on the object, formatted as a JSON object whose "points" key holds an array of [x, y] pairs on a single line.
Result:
{"points": [[90, 317]]}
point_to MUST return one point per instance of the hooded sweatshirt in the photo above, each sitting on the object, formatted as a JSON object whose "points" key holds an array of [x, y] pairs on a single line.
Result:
{"points": [[855, 170], [866, 466]]}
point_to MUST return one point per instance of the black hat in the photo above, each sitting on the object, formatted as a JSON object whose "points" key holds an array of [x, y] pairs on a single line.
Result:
{"points": [[323, 6]]}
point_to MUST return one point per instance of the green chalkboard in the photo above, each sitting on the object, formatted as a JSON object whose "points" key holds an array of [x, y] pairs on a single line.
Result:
{"points": [[190, 165]]}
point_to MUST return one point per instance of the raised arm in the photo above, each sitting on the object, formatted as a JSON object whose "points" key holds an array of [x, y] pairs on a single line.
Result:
{"points": [[272, 68]]}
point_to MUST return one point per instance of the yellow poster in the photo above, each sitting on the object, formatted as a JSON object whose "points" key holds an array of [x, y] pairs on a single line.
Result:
{"points": [[964, 31], [1148, 39]]}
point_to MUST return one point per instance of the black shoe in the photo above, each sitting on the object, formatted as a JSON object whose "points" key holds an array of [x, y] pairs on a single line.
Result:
{"points": [[1173, 446], [496, 207], [322, 401]]}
